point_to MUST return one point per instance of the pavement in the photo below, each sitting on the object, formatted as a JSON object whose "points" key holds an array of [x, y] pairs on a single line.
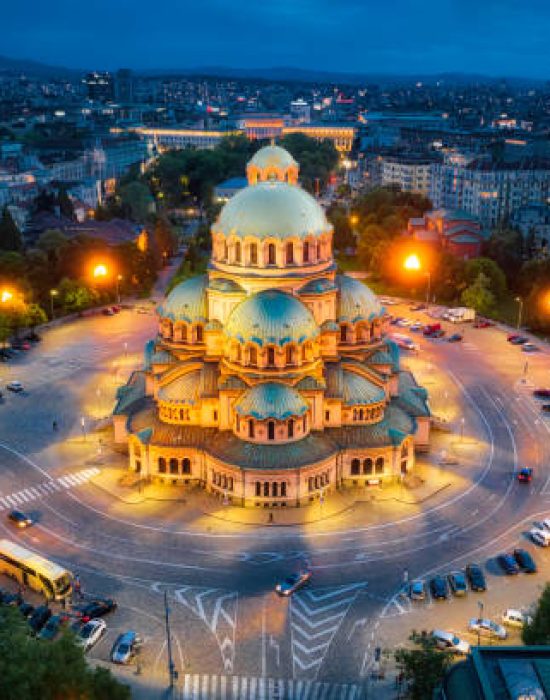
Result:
{"points": [[217, 565]]}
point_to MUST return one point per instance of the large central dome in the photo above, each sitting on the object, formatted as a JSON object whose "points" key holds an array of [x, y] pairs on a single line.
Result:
{"points": [[272, 210]]}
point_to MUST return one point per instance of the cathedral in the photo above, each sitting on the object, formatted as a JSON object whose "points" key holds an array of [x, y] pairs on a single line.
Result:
{"points": [[271, 381]]}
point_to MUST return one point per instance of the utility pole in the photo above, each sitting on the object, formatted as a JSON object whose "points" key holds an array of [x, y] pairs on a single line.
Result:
{"points": [[172, 673]]}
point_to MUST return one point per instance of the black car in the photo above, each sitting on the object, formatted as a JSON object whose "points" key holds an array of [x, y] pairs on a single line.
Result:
{"points": [[95, 608], [541, 393], [33, 337], [39, 618], [26, 609], [52, 627], [439, 588], [525, 561], [476, 577], [508, 564], [19, 519]]}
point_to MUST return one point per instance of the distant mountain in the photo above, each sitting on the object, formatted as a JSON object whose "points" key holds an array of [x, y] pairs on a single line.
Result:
{"points": [[34, 68]]}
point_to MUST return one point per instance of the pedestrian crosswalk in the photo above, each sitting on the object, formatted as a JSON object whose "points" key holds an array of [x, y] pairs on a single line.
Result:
{"points": [[198, 686], [18, 499]]}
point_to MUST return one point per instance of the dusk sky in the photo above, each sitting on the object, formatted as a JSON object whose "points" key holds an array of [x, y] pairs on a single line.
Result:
{"points": [[504, 37]]}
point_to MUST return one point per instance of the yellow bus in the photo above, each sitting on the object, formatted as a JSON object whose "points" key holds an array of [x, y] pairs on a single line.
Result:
{"points": [[34, 571]]}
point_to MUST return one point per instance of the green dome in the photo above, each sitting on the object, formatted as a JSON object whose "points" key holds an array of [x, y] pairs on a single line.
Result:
{"points": [[221, 284], [356, 302], [185, 389], [273, 157], [359, 391], [186, 302], [318, 286], [272, 210], [271, 400], [271, 317]]}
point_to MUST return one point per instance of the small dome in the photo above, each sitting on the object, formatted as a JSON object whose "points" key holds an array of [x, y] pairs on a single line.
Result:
{"points": [[184, 389], [186, 302], [271, 400], [273, 157], [319, 286], [221, 284], [356, 301], [271, 317], [272, 210], [359, 391]]}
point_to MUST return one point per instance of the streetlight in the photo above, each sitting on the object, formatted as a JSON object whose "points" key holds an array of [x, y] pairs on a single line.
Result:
{"points": [[520, 310], [100, 271], [412, 263], [53, 293], [119, 279], [83, 426], [6, 296], [462, 421], [480, 609]]}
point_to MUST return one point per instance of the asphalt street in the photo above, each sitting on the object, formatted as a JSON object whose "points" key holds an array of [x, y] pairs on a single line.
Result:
{"points": [[230, 631]]}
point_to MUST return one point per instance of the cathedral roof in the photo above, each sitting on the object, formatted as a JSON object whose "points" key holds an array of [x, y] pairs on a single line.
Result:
{"points": [[318, 286], [353, 389], [222, 284], [271, 400], [271, 317], [186, 302], [184, 389], [272, 210], [356, 302], [273, 157]]}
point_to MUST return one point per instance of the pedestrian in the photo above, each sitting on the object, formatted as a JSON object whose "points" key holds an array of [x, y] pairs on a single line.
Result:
{"points": [[270, 519], [54, 426]]}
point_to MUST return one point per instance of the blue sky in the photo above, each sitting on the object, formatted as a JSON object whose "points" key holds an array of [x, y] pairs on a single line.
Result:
{"points": [[504, 37]]}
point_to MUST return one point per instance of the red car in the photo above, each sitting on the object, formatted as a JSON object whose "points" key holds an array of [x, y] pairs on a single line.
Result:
{"points": [[541, 393], [512, 336], [525, 475], [483, 323]]}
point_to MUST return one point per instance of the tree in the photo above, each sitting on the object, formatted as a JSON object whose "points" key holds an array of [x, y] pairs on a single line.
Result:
{"points": [[34, 316], [478, 295], [12, 265], [538, 632], [52, 241], [65, 204], [165, 239], [343, 234], [10, 237], [317, 159], [491, 270], [505, 247], [423, 667], [56, 670], [136, 197], [76, 296]]}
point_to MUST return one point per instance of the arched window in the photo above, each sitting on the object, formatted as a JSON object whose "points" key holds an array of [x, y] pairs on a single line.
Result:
{"points": [[316, 482], [290, 355], [310, 483], [379, 465], [183, 332], [253, 254], [238, 423], [271, 357], [271, 430], [199, 333], [343, 334], [305, 252], [275, 489], [304, 423], [355, 466], [290, 253], [252, 356], [251, 428], [174, 466], [230, 483], [258, 488], [319, 249], [304, 353], [162, 465], [367, 466], [360, 414], [266, 488], [186, 466], [291, 428], [271, 254], [237, 252], [224, 482], [283, 488]]}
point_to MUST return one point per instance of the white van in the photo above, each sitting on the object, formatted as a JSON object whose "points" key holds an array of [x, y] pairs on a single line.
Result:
{"points": [[540, 537], [403, 341], [516, 618]]}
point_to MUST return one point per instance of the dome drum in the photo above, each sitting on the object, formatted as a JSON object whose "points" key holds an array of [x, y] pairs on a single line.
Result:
{"points": [[271, 357]]}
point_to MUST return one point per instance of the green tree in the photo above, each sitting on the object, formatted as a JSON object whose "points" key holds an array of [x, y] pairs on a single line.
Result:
{"points": [[52, 242], [35, 670], [65, 203], [76, 296], [538, 632], [505, 247], [343, 234], [491, 270], [10, 237], [13, 265], [423, 666], [136, 198], [478, 295], [317, 159], [34, 316], [165, 239]]}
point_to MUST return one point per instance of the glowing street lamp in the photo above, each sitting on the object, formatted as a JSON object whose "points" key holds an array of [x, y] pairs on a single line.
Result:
{"points": [[100, 271], [413, 264], [6, 296], [53, 294], [520, 311], [119, 279]]}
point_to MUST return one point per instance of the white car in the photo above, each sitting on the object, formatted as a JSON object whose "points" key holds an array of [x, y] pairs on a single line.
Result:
{"points": [[91, 633], [516, 618], [540, 537], [15, 386], [447, 641], [546, 524], [487, 628]]}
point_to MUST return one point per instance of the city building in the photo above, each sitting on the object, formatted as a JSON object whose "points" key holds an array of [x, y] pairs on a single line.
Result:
{"points": [[272, 381], [452, 230], [411, 174], [124, 85], [229, 188], [498, 672], [533, 220], [165, 139], [100, 87]]}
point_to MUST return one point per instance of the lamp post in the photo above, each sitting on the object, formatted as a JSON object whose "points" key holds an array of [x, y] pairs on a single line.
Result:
{"points": [[480, 609], [462, 421], [429, 286], [118, 281], [6, 296], [53, 294], [83, 426], [520, 311]]}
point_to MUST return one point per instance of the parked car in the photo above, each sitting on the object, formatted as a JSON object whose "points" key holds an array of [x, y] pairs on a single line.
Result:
{"points": [[516, 618], [416, 327], [525, 561], [483, 323], [108, 311], [508, 564], [447, 641], [525, 475], [39, 618], [291, 584], [530, 347], [431, 328], [437, 334], [487, 628], [52, 627], [455, 338], [95, 608], [33, 337], [15, 386], [417, 590], [457, 582], [540, 536], [19, 519], [91, 633], [125, 647], [545, 407], [541, 393], [519, 340], [26, 609], [476, 577], [439, 588], [418, 307], [546, 524]]}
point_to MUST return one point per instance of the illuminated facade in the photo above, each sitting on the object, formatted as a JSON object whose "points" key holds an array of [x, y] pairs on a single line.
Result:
{"points": [[271, 381]]}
